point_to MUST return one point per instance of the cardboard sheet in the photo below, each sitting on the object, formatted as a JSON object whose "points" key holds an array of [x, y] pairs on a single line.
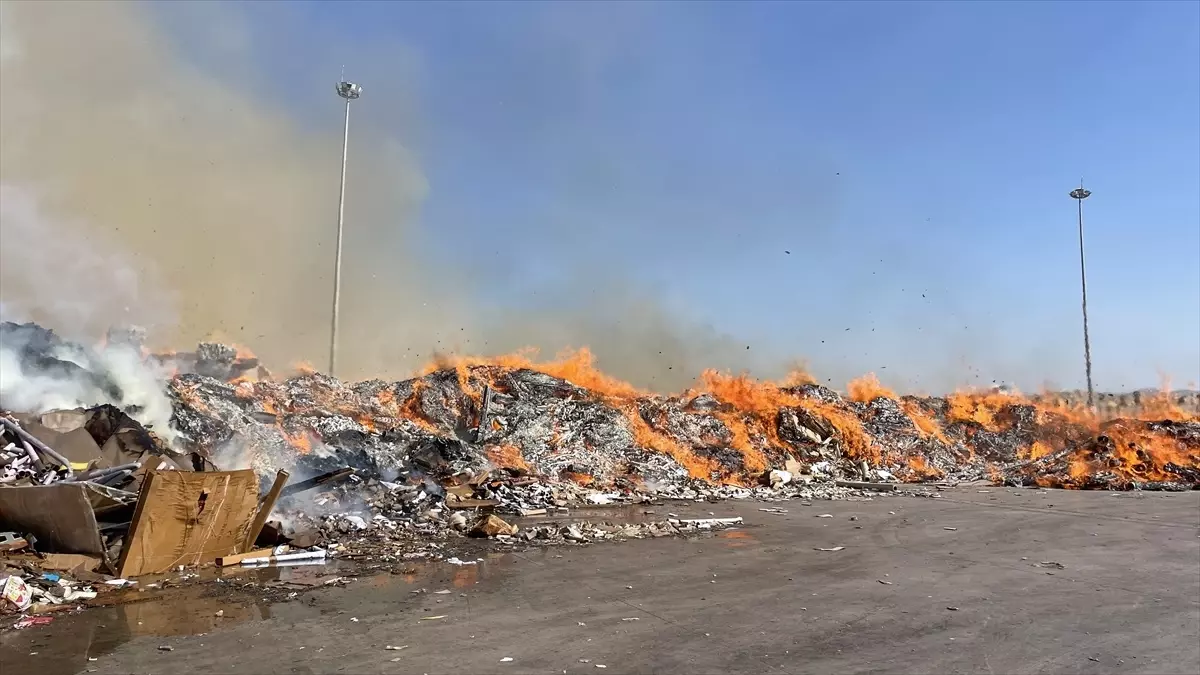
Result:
{"points": [[80, 449], [65, 421], [60, 516], [189, 519], [69, 562]]}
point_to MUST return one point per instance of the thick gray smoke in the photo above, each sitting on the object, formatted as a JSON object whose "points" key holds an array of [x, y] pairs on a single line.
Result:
{"points": [[223, 202]]}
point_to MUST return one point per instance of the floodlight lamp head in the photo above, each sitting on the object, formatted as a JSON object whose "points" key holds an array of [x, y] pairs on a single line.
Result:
{"points": [[1080, 193], [349, 90]]}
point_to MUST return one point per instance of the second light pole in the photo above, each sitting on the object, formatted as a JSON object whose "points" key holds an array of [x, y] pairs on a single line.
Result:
{"points": [[348, 91], [1079, 194]]}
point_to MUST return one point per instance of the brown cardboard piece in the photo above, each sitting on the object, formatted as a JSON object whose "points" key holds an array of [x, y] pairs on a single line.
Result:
{"points": [[76, 445], [125, 447], [64, 431], [69, 562], [60, 516], [65, 421], [188, 519], [80, 448], [150, 463]]}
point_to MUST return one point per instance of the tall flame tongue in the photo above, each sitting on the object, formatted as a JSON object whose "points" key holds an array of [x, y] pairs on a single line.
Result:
{"points": [[1046, 440]]}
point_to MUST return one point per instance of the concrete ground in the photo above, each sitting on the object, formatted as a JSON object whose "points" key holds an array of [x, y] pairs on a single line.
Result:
{"points": [[969, 588]]}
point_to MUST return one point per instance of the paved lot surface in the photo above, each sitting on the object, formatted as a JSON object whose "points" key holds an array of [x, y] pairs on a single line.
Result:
{"points": [[967, 592]]}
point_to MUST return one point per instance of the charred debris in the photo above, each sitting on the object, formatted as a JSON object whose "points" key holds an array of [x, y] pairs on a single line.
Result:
{"points": [[296, 470]]}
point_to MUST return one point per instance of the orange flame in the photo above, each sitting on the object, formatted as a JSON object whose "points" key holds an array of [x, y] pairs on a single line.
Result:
{"points": [[763, 399], [243, 352], [506, 456], [301, 441], [980, 408], [868, 388]]}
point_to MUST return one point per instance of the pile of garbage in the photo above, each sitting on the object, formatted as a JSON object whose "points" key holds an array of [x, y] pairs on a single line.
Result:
{"points": [[564, 421], [90, 495], [232, 464]]}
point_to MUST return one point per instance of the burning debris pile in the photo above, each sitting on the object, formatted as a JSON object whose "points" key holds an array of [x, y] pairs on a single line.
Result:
{"points": [[396, 471], [566, 422]]}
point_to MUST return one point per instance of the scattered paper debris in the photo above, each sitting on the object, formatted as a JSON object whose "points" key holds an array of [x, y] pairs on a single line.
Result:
{"points": [[835, 548]]}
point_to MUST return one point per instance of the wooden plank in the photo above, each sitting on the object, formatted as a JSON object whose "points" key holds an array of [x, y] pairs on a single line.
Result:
{"points": [[485, 414], [237, 558], [264, 509], [329, 477], [473, 504], [132, 532]]}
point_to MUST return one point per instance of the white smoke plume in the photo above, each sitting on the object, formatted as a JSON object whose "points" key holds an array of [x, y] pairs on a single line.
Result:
{"points": [[50, 274]]}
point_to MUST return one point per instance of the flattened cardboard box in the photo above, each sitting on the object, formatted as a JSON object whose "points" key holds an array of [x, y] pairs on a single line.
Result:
{"points": [[59, 515], [187, 518]]}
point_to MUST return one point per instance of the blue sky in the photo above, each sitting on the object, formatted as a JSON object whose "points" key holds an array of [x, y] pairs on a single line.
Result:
{"points": [[914, 158]]}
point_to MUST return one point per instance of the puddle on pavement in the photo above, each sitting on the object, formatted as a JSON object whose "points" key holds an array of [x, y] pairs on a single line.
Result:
{"points": [[620, 514], [66, 644]]}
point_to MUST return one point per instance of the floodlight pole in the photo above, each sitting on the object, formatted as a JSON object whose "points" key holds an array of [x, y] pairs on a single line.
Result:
{"points": [[348, 91], [1079, 194]]}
